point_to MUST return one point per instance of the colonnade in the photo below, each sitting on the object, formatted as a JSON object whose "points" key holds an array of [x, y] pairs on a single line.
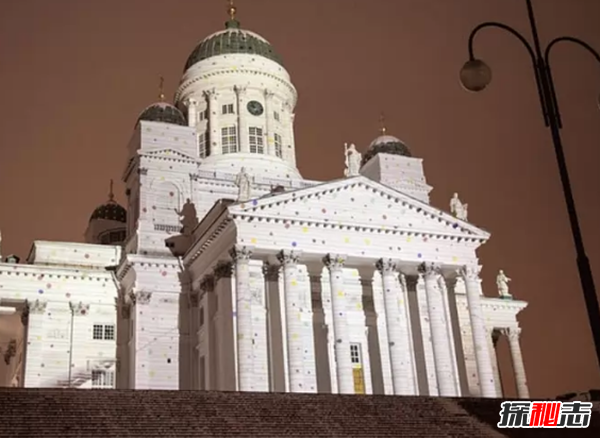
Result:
{"points": [[397, 318]]}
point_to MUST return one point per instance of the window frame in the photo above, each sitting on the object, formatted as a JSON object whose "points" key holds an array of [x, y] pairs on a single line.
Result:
{"points": [[227, 109], [278, 145], [256, 140], [230, 146]]}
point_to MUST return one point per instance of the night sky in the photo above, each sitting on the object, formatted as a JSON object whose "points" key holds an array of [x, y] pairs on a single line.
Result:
{"points": [[75, 75]]}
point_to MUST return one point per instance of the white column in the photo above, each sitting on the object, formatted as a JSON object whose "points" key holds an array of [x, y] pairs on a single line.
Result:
{"points": [[295, 344], [269, 132], [214, 130], [243, 139], [192, 107], [513, 334], [345, 377], [493, 336], [483, 358], [397, 327], [241, 258], [35, 313], [439, 327]]}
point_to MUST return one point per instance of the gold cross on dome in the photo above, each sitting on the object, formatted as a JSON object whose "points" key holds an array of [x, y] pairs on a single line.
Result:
{"points": [[382, 127]]}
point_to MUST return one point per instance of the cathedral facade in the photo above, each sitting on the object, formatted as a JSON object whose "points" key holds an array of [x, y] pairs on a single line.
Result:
{"points": [[230, 271]]}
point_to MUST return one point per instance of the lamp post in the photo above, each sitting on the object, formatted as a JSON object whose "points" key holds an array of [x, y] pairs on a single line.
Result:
{"points": [[476, 75]]}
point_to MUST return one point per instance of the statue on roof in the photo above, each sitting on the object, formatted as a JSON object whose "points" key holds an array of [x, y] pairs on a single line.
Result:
{"points": [[242, 181], [502, 283], [188, 217], [458, 209], [353, 160]]}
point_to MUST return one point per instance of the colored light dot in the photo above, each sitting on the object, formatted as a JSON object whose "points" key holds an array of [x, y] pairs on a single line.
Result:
{"points": [[367, 242], [253, 240], [294, 244], [324, 210], [408, 239], [346, 240], [294, 283], [454, 259], [384, 216], [40, 291], [254, 202], [419, 255], [305, 229], [164, 273]]}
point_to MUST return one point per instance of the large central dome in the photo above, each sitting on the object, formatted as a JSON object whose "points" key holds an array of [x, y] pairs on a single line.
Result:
{"points": [[232, 40]]}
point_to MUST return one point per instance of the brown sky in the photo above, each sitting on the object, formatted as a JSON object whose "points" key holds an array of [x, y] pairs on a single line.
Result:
{"points": [[74, 76]]}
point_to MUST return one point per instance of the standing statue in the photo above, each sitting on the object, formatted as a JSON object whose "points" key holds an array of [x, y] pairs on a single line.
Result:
{"points": [[502, 283], [458, 209], [242, 180], [353, 159], [188, 217]]}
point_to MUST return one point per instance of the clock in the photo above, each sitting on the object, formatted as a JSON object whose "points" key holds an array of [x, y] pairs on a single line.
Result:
{"points": [[255, 108]]}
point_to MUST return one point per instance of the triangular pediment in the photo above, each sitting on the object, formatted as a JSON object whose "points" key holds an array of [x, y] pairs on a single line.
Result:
{"points": [[167, 153], [358, 202]]}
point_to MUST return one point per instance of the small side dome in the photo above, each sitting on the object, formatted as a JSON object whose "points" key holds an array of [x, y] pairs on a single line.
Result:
{"points": [[111, 210], [163, 112], [386, 144]]}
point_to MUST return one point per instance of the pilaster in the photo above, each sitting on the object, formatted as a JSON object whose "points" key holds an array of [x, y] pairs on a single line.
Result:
{"points": [[243, 133], [214, 136], [35, 315]]}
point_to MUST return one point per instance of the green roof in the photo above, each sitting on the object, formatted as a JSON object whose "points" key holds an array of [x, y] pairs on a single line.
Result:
{"points": [[232, 40]]}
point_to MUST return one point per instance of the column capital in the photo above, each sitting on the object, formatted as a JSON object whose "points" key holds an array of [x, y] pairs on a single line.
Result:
{"points": [[429, 270], [207, 284], [470, 272], [270, 271], [224, 269], [240, 89], [512, 333], [191, 102], [288, 258], [385, 266], [334, 262], [79, 309], [37, 307], [240, 253], [210, 94], [141, 297]]}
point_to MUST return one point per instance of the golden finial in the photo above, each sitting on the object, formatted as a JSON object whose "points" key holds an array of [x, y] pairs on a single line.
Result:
{"points": [[111, 195], [161, 89], [382, 127], [231, 10]]}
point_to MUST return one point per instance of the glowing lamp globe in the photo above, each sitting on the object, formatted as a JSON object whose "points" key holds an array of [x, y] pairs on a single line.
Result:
{"points": [[475, 75]]}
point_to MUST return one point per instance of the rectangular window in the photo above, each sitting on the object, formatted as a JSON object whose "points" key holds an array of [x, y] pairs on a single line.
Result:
{"points": [[103, 379], [202, 150], [201, 317], [98, 332], [357, 369], [228, 109], [229, 139], [276, 116], [103, 332], [256, 141], [278, 146], [203, 115]]}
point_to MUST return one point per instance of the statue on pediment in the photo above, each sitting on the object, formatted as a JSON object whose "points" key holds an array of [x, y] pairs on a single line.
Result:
{"points": [[353, 160], [502, 283], [242, 181], [188, 217], [458, 209]]}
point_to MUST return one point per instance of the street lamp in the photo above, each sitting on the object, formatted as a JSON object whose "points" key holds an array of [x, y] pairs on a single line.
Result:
{"points": [[476, 75]]}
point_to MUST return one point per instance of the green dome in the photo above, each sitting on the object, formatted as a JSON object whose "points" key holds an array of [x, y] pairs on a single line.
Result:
{"points": [[230, 41], [386, 144]]}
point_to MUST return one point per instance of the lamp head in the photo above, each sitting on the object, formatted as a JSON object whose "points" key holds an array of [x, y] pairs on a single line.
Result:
{"points": [[475, 75]]}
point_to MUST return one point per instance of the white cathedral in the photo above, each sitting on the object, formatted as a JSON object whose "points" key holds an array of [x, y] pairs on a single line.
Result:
{"points": [[230, 271]]}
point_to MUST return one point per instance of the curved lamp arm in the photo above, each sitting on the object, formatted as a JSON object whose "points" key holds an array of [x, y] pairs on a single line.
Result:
{"points": [[571, 40], [548, 70], [521, 38]]}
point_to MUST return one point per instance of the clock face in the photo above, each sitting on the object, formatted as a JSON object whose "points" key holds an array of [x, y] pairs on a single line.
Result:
{"points": [[255, 108]]}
